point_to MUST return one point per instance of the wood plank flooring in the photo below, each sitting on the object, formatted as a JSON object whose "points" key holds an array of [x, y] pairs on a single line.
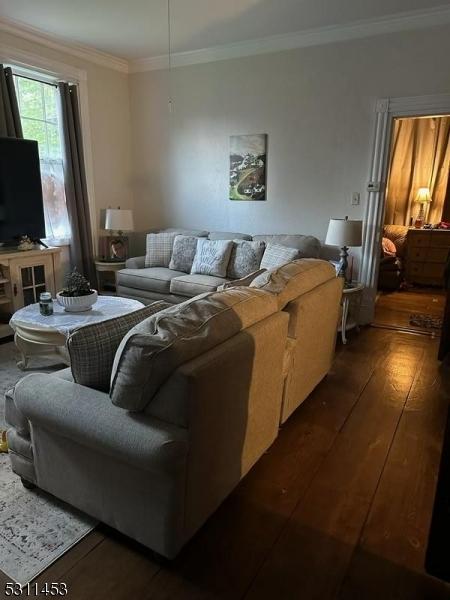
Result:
{"points": [[393, 309], [339, 507]]}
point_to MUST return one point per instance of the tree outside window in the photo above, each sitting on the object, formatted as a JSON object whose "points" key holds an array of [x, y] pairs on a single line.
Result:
{"points": [[38, 108]]}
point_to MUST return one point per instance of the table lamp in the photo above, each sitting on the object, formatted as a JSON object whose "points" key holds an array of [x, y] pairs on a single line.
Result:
{"points": [[423, 197], [117, 221], [344, 233]]}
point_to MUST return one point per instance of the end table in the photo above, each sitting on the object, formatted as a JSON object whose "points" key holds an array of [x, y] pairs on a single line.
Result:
{"points": [[102, 266], [351, 295]]}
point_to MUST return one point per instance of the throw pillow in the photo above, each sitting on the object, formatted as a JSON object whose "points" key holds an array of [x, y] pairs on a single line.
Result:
{"points": [[388, 247], [183, 253], [159, 249], [242, 282], [212, 257], [92, 347], [275, 256], [245, 258]]}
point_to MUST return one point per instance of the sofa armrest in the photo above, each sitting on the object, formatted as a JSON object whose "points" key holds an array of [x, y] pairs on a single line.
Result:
{"points": [[138, 262], [87, 417]]}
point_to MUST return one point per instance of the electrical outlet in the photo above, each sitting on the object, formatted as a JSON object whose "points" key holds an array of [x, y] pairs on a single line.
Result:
{"points": [[356, 199]]}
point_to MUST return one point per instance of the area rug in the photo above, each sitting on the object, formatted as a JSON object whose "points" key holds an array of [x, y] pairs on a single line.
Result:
{"points": [[35, 528], [425, 321]]}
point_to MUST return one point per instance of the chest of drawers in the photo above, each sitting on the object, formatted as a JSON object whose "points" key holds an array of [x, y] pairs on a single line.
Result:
{"points": [[426, 255]]}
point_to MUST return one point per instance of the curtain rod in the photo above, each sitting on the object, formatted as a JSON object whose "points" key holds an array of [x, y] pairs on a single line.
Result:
{"points": [[55, 85]]}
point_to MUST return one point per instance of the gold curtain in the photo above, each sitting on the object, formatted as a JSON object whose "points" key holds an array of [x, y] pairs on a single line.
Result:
{"points": [[420, 157]]}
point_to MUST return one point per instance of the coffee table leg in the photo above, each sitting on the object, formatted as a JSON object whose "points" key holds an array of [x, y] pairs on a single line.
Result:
{"points": [[22, 347]]}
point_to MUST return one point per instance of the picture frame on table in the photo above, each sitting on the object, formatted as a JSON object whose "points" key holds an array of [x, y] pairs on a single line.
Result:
{"points": [[113, 248]]}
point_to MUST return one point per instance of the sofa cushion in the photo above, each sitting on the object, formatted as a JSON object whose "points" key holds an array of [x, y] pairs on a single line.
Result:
{"points": [[183, 253], [243, 281], [275, 255], [190, 232], [245, 258], [154, 279], [192, 285], [156, 347], [307, 245], [159, 249], [228, 235], [92, 347], [294, 279], [212, 257]]}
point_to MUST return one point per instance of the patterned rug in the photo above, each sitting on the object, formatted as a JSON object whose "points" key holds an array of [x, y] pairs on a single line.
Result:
{"points": [[425, 321], [35, 528]]}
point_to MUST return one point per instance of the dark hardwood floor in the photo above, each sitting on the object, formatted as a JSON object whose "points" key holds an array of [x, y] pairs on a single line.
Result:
{"points": [[393, 309], [339, 507]]}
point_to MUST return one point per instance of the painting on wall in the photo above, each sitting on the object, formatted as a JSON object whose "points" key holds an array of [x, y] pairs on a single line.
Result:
{"points": [[248, 154]]}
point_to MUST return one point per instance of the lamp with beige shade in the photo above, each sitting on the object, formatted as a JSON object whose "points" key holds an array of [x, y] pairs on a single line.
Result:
{"points": [[423, 197], [114, 247], [344, 234]]}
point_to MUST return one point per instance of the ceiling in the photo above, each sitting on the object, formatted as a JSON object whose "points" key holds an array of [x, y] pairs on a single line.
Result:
{"points": [[138, 28]]}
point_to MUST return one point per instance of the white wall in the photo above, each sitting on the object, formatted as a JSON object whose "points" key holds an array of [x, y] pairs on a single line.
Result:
{"points": [[317, 107], [109, 116]]}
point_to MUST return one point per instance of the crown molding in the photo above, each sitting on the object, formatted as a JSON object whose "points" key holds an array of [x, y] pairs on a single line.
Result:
{"points": [[54, 43], [405, 21]]}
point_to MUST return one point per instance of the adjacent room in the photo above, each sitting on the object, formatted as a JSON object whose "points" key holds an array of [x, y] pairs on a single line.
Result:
{"points": [[416, 232], [225, 299]]}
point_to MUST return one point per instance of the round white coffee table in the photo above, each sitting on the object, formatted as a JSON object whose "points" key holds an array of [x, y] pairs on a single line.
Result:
{"points": [[35, 334]]}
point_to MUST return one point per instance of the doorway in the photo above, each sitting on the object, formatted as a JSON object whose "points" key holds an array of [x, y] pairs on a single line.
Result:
{"points": [[387, 110], [415, 238]]}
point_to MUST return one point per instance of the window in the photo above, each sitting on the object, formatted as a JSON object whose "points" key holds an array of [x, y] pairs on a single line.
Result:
{"points": [[38, 107]]}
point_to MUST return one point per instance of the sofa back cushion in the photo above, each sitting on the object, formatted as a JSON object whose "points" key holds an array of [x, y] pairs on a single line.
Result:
{"points": [[92, 347], [228, 235], [294, 279], [159, 249], [156, 347], [307, 245], [212, 257], [182, 231], [245, 258], [183, 253]]}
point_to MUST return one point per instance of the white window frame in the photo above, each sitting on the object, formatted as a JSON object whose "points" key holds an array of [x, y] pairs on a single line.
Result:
{"points": [[46, 70]]}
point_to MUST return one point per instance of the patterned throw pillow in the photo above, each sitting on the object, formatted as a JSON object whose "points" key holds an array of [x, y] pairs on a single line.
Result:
{"points": [[275, 256], [159, 249], [245, 258], [212, 257], [92, 347], [183, 253]]}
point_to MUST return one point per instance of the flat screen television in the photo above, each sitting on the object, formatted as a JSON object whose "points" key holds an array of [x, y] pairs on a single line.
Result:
{"points": [[21, 204]]}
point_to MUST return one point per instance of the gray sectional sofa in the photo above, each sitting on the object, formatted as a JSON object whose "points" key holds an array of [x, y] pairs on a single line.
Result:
{"points": [[161, 283], [198, 391]]}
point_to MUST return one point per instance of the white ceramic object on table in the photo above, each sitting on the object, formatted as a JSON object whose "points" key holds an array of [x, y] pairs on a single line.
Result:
{"points": [[77, 303]]}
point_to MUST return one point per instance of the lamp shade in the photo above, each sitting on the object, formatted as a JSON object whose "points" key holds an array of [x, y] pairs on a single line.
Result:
{"points": [[118, 219], [342, 232], [423, 195]]}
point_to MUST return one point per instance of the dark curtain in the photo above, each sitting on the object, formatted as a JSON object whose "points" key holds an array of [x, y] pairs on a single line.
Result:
{"points": [[10, 125], [81, 248]]}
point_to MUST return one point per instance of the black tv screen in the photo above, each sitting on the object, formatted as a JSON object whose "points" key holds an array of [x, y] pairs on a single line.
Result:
{"points": [[21, 204]]}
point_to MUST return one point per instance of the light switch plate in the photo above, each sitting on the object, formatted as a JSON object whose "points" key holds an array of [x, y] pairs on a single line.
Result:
{"points": [[356, 199]]}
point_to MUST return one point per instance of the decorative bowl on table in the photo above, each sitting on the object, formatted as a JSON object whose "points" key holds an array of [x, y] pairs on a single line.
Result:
{"points": [[77, 303]]}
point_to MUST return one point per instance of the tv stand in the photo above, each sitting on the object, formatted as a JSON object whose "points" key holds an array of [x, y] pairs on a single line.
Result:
{"points": [[24, 274]]}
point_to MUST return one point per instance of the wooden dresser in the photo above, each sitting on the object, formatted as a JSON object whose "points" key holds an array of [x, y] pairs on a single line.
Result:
{"points": [[426, 255]]}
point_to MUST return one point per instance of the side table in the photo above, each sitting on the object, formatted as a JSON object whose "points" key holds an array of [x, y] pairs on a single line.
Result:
{"points": [[351, 295], [104, 266]]}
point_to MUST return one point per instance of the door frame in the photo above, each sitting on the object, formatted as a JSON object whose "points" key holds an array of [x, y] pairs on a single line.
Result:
{"points": [[386, 110]]}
